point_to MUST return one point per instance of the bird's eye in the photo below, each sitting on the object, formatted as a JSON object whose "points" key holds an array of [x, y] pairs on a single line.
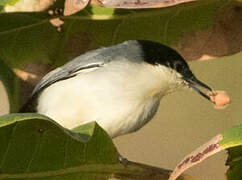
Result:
{"points": [[179, 67]]}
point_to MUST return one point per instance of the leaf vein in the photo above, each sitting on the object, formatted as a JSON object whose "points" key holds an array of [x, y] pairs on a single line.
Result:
{"points": [[23, 27]]}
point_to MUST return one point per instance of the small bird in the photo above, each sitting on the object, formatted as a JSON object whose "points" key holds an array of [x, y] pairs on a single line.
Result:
{"points": [[120, 87]]}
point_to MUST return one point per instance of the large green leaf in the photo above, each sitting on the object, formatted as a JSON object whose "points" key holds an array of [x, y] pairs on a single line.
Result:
{"points": [[195, 29], [231, 140], [234, 162], [11, 84], [35, 147]]}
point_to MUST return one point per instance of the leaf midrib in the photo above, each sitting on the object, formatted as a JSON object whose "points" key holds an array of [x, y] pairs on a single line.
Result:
{"points": [[24, 27], [87, 168]]}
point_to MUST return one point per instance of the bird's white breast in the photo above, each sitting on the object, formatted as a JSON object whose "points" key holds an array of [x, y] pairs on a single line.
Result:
{"points": [[120, 97]]}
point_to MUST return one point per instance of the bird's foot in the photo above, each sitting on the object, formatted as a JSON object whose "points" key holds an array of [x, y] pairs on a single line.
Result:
{"points": [[124, 161]]}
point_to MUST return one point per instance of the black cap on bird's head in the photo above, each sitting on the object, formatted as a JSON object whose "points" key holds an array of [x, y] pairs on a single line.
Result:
{"points": [[158, 54]]}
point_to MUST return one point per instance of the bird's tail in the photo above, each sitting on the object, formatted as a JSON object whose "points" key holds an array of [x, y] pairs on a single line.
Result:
{"points": [[29, 106]]}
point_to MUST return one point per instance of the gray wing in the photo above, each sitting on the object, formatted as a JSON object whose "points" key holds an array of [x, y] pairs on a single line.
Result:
{"points": [[89, 60]]}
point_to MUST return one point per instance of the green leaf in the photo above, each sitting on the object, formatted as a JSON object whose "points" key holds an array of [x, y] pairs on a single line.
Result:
{"points": [[11, 84], [196, 26], [231, 140], [8, 2], [232, 137], [35, 147], [27, 37], [234, 162]]}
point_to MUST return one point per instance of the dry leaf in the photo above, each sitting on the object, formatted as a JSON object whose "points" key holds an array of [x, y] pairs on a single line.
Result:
{"points": [[223, 39], [138, 4], [200, 154], [73, 6]]}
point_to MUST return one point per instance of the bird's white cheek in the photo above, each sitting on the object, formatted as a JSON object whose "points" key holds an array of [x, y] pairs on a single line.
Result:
{"points": [[178, 85]]}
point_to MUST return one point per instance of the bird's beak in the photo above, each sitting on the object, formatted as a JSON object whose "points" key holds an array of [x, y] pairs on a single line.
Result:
{"points": [[199, 87]]}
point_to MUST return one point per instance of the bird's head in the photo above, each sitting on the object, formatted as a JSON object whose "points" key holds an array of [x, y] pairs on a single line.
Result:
{"points": [[174, 67]]}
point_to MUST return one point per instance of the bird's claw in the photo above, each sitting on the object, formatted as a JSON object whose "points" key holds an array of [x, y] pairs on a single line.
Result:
{"points": [[124, 161]]}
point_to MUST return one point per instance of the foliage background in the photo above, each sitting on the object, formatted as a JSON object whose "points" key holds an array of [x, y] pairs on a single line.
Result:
{"points": [[184, 120]]}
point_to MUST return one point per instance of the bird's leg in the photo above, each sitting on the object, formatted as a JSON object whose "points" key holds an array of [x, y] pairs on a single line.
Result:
{"points": [[124, 161]]}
